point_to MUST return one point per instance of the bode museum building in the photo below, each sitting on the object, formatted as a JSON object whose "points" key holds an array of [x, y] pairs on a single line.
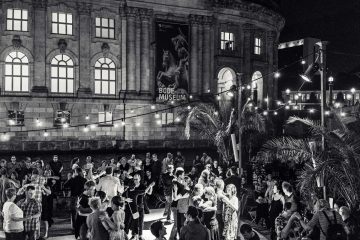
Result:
{"points": [[96, 75]]}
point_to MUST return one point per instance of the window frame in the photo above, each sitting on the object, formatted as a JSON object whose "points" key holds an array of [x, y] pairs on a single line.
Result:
{"points": [[13, 19], [21, 64], [62, 114], [58, 78], [166, 121], [224, 41], [102, 80], [258, 45], [66, 23], [108, 28], [106, 122], [19, 118]]}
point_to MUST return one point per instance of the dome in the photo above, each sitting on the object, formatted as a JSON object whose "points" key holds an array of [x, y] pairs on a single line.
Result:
{"points": [[271, 4]]}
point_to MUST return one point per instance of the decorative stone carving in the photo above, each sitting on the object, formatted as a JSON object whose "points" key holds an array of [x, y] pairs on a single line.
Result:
{"points": [[132, 12], [84, 8], [40, 4], [62, 44], [195, 19], [145, 14], [105, 48], [208, 20], [16, 41]]}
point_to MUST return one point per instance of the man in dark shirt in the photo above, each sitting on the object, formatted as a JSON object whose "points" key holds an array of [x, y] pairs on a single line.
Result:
{"points": [[248, 232], [76, 186], [167, 179], [84, 210], [57, 167], [156, 168], [234, 179]]}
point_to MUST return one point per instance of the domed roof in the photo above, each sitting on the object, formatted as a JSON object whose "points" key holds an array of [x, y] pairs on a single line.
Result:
{"points": [[271, 4]]}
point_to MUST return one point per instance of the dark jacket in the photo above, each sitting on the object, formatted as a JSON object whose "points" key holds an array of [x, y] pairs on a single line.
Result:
{"points": [[193, 231]]}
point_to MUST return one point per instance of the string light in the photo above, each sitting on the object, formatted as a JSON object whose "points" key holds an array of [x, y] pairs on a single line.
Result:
{"points": [[152, 107], [138, 124], [342, 114], [131, 111], [311, 110], [248, 87], [11, 122], [265, 113], [123, 123], [177, 119], [63, 119], [65, 125], [158, 122], [86, 129], [5, 137], [230, 94], [303, 62], [189, 107], [287, 107], [172, 102], [87, 117], [256, 108], [116, 125], [277, 75], [93, 126], [208, 90], [216, 113], [46, 134], [279, 103], [327, 113], [218, 97], [295, 107], [157, 115], [191, 97], [275, 113], [38, 122]]}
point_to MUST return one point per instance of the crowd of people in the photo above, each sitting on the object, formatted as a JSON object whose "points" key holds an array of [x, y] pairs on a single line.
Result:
{"points": [[109, 200]]}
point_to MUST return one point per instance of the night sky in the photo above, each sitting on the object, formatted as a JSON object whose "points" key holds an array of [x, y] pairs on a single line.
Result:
{"points": [[336, 21]]}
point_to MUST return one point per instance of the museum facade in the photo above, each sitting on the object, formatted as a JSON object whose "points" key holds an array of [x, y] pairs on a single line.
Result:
{"points": [[82, 74]]}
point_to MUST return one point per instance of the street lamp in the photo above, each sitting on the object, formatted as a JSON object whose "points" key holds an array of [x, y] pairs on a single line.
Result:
{"points": [[353, 95], [331, 83]]}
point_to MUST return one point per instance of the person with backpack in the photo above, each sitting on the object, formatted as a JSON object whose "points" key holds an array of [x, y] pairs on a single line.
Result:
{"points": [[330, 223]]}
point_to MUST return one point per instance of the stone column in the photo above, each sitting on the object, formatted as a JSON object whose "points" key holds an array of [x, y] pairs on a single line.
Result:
{"points": [[145, 50], [84, 11], [137, 55], [39, 41], [271, 48], [200, 79], [207, 78], [194, 55], [247, 53], [131, 51], [123, 37]]}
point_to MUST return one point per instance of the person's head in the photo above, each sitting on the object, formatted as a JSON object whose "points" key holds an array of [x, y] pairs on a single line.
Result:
{"points": [[231, 190], [108, 171], [219, 184], [14, 175], [55, 158], [112, 161], [205, 175], [10, 194], [187, 182], [47, 167], [101, 195], [3, 172], [148, 155], [247, 231], [170, 168], [3, 163], [192, 214], [123, 161], [89, 187], [243, 180], [231, 171], [75, 160], [287, 188], [344, 212], [95, 203], [138, 163], [193, 170], [137, 179], [198, 190], [30, 192], [88, 159], [210, 194], [116, 203], [158, 229], [148, 173], [116, 173], [321, 204], [178, 153], [208, 167], [276, 188], [269, 177], [147, 160], [179, 173], [39, 164], [204, 155], [133, 157], [13, 159], [216, 164], [35, 174], [197, 157], [220, 169], [154, 157], [103, 163], [287, 206]]}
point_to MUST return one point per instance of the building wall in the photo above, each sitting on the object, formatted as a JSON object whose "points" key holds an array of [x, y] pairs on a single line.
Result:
{"points": [[133, 51]]}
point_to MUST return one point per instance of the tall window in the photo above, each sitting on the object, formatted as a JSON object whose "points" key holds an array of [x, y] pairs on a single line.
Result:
{"points": [[17, 20], [227, 41], [257, 46], [16, 72], [62, 23], [105, 28], [105, 118], [167, 118], [105, 76], [62, 74]]}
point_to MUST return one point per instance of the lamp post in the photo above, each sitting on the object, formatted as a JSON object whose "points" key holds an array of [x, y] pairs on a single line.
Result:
{"points": [[353, 95], [331, 82]]}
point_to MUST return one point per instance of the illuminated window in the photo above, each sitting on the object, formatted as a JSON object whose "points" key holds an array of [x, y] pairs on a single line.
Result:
{"points": [[17, 20], [62, 117], [105, 28], [227, 41], [62, 23], [15, 118], [167, 118], [105, 118], [62, 74], [105, 76], [16, 72], [257, 46]]}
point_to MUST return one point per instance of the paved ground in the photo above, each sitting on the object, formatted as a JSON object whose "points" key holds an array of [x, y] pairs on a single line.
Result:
{"points": [[61, 230]]}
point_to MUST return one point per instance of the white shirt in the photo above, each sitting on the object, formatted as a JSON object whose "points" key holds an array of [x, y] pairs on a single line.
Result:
{"points": [[110, 185], [10, 209]]}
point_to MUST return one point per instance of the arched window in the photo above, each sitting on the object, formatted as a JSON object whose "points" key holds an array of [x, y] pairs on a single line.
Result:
{"points": [[62, 74], [226, 78], [16, 72], [105, 76], [257, 87]]}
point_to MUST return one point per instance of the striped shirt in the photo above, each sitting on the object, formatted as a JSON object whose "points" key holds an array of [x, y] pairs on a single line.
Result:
{"points": [[320, 220]]}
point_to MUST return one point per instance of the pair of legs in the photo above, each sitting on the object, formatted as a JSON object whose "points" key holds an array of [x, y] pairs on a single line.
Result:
{"points": [[167, 211]]}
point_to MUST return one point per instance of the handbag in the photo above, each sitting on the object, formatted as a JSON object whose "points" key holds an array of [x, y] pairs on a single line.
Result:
{"points": [[134, 215]]}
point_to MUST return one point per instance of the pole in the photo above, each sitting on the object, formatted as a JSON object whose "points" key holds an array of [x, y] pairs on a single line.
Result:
{"points": [[322, 50], [239, 103], [331, 94]]}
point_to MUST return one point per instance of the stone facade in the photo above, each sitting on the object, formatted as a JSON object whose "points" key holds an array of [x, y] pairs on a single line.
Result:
{"points": [[133, 51]]}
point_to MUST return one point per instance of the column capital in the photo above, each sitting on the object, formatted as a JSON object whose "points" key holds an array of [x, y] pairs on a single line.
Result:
{"points": [[132, 12], [271, 36], [145, 14], [195, 19], [208, 20], [39, 4], [249, 27], [84, 8]]}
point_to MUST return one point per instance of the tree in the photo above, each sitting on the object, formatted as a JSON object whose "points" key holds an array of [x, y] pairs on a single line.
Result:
{"points": [[338, 165], [216, 123]]}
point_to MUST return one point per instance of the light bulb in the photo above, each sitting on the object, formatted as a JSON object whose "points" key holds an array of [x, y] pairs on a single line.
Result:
{"points": [[86, 129], [116, 125], [87, 117], [158, 122], [157, 115], [46, 134], [277, 75], [177, 119], [311, 110], [152, 107], [123, 123], [188, 107], [303, 62], [275, 113], [65, 125], [265, 113], [63, 119], [92, 126], [190, 96], [138, 124], [218, 98]]}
